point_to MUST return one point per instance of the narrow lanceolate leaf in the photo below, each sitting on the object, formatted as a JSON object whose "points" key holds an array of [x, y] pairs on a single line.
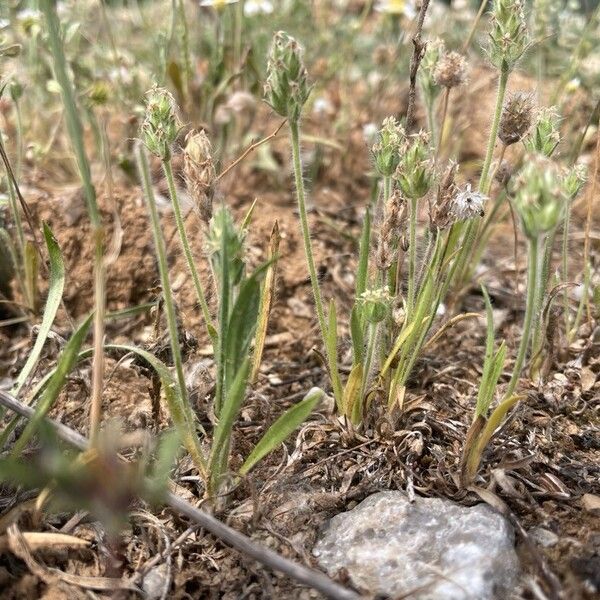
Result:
{"points": [[356, 333], [55, 291], [241, 328], [353, 403], [282, 428], [222, 435], [65, 364], [363, 257], [266, 302], [331, 342], [31, 275]]}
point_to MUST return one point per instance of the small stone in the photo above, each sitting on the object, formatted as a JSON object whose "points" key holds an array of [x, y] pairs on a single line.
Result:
{"points": [[155, 581], [432, 549], [591, 502], [543, 537]]}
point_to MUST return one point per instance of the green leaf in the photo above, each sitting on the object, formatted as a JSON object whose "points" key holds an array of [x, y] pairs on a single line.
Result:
{"points": [[284, 426], [242, 325], [357, 335], [222, 434], [363, 256], [65, 364], [55, 291], [331, 342]]}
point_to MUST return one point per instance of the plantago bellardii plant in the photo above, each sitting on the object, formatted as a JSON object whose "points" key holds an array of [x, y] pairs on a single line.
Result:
{"points": [[286, 91], [159, 131]]}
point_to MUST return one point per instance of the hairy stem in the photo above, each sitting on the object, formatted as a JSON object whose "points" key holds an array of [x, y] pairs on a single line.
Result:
{"points": [[412, 257], [533, 284], [314, 281], [484, 180], [163, 269], [187, 251]]}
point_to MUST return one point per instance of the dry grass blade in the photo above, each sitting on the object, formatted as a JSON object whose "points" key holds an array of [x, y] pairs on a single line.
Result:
{"points": [[37, 540]]}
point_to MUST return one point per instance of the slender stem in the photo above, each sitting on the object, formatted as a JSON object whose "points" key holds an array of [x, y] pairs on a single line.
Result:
{"points": [[474, 26], [193, 445], [564, 275], [462, 260], [533, 285], [442, 123], [187, 251], [484, 180], [412, 257], [19, 120], [186, 54], [585, 300], [498, 162], [371, 347], [76, 135], [430, 119], [314, 281]]}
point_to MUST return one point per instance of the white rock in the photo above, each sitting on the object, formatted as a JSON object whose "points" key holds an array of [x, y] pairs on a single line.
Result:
{"points": [[433, 547]]}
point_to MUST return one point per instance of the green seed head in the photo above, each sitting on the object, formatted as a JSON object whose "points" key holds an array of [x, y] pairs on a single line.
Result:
{"points": [[508, 35], [433, 52], [539, 195], [386, 151], [376, 304], [415, 169], [545, 135], [573, 180], [286, 88], [161, 125]]}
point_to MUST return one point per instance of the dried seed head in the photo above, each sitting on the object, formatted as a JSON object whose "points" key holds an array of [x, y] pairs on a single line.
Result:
{"points": [[451, 70], [392, 229], [468, 204], [545, 134], [286, 88], [539, 195], [199, 172], [508, 36], [160, 127], [387, 148], [441, 215], [503, 173], [516, 118]]}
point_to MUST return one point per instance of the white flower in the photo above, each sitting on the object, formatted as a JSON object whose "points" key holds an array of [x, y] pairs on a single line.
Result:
{"points": [[257, 7], [217, 4], [468, 204], [397, 7], [4, 23], [322, 106], [370, 131]]}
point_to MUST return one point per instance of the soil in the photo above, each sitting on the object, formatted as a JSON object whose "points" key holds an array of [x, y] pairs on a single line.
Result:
{"points": [[537, 470]]}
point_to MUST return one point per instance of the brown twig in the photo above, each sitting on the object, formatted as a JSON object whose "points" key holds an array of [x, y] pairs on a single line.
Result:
{"points": [[242, 543], [250, 148], [415, 61], [24, 206]]}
